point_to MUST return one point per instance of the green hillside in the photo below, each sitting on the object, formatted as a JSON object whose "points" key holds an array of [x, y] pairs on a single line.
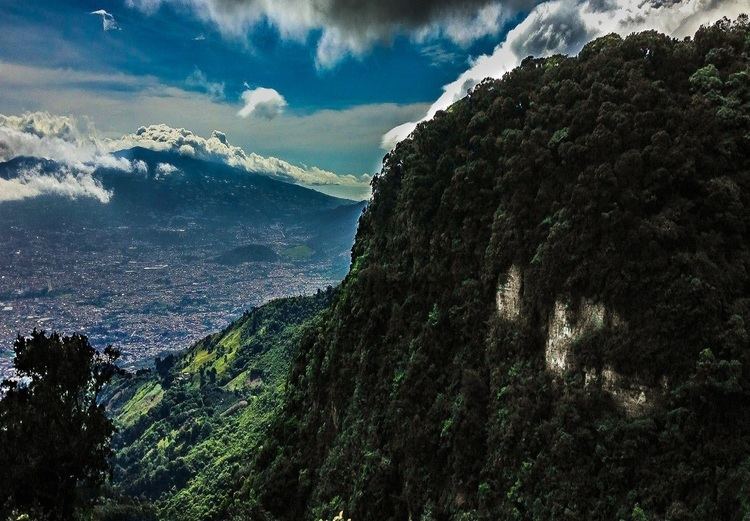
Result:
{"points": [[190, 427]]}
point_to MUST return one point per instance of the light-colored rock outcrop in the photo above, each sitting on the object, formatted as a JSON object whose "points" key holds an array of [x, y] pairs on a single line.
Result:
{"points": [[634, 398], [565, 326], [563, 330], [509, 295]]}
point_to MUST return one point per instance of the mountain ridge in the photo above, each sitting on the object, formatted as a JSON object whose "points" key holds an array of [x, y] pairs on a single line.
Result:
{"points": [[546, 312], [602, 201]]}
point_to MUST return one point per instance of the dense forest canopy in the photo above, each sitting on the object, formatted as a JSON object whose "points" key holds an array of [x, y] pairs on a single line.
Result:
{"points": [[617, 180]]}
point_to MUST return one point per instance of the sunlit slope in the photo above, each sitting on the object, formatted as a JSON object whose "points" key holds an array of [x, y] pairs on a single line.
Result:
{"points": [[188, 427]]}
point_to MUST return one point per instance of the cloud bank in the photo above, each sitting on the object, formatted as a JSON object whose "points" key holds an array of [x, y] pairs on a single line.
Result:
{"points": [[66, 182], [563, 26], [79, 151], [349, 27], [60, 139], [262, 103], [216, 148]]}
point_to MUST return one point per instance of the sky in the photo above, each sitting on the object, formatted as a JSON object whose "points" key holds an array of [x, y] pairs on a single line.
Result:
{"points": [[315, 90]]}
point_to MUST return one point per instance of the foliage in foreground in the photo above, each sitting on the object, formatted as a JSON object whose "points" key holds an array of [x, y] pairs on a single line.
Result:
{"points": [[54, 435]]}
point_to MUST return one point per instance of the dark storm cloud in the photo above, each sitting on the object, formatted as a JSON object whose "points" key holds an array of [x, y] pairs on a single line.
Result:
{"points": [[353, 26], [353, 14]]}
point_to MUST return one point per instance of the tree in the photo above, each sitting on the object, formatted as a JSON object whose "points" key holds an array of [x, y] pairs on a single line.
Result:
{"points": [[54, 434], [163, 368]]}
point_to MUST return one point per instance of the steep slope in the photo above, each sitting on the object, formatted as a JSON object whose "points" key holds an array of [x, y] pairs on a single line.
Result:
{"points": [[187, 428], [546, 316]]}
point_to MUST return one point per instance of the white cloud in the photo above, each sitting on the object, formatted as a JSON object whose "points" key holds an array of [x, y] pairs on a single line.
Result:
{"points": [[75, 149], [42, 124], [164, 169], [59, 138], [140, 167], [214, 89], [108, 21], [563, 26], [262, 103], [67, 183], [216, 148]]}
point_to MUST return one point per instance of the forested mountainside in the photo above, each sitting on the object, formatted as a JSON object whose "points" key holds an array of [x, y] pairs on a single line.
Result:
{"points": [[547, 312], [187, 428], [546, 316]]}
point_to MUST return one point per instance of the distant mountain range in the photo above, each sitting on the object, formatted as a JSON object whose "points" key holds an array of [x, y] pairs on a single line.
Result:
{"points": [[175, 182], [175, 190]]}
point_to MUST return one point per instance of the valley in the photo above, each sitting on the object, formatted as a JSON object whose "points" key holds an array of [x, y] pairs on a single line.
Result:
{"points": [[144, 297], [167, 260], [541, 312]]}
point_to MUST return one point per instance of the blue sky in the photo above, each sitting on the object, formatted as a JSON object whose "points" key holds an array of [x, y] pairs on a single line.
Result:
{"points": [[162, 46], [323, 84]]}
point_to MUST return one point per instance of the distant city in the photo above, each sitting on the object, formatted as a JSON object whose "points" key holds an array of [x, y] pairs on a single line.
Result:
{"points": [[161, 261], [144, 298]]}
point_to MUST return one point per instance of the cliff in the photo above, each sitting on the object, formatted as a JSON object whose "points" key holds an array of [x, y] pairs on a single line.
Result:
{"points": [[546, 316]]}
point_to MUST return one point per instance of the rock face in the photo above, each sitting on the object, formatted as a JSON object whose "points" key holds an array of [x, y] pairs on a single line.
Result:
{"points": [[635, 399], [562, 332], [509, 295], [565, 326]]}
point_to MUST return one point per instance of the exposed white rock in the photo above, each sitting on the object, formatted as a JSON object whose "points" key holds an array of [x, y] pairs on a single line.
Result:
{"points": [[564, 328], [509, 295], [562, 331], [634, 398]]}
